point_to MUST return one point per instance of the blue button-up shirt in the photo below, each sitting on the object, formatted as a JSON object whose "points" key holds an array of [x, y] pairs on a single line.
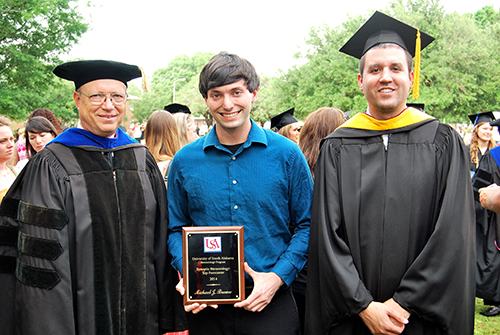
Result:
{"points": [[266, 186]]}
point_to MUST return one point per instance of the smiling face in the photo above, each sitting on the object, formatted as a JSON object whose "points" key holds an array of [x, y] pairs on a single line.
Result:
{"points": [[484, 132], [230, 106], [386, 81], [6, 144], [103, 119]]}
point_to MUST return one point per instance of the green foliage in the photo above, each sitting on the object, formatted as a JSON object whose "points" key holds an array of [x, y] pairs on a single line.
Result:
{"points": [[459, 73], [459, 70], [32, 35], [186, 92], [487, 17], [261, 109]]}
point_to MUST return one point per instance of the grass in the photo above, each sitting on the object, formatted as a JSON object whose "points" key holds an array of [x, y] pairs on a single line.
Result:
{"points": [[485, 325]]}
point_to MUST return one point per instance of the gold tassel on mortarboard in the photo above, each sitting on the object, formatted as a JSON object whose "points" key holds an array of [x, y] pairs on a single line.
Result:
{"points": [[145, 87], [416, 80]]}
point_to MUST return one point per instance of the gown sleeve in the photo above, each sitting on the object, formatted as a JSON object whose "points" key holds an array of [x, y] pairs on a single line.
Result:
{"points": [[39, 175], [171, 315], [443, 274]]}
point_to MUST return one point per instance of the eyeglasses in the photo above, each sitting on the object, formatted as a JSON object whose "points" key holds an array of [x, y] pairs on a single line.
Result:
{"points": [[98, 98]]}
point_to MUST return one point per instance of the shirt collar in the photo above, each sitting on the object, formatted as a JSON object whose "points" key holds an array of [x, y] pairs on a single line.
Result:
{"points": [[256, 135]]}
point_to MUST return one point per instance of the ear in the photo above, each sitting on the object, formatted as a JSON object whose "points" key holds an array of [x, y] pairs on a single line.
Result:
{"points": [[360, 82], [77, 98], [254, 95], [412, 77]]}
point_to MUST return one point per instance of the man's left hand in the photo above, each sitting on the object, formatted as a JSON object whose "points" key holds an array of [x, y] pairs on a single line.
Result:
{"points": [[266, 284]]}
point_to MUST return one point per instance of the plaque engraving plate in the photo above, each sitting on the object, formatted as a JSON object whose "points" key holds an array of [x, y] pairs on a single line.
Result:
{"points": [[213, 260]]}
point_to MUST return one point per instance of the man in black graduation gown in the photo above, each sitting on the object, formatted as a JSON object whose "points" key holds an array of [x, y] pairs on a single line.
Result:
{"points": [[392, 244], [83, 229]]}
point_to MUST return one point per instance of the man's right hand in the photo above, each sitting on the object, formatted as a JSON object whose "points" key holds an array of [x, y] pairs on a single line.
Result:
{"points": [[381, 318], [490, 197]]}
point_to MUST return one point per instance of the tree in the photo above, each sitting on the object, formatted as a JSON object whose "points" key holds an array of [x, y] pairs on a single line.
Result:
{"points": [[161, 93], [486, 17], [32, 35], [460, 70]]}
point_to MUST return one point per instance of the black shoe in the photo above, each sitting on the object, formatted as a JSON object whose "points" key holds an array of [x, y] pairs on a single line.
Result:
{"points": [[492, 311]]}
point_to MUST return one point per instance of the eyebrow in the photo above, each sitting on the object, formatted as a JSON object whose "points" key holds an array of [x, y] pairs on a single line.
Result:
{"points": [[216, 90]]}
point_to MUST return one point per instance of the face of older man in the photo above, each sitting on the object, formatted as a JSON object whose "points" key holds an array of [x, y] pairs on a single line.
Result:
{"points": [[103, 118]]}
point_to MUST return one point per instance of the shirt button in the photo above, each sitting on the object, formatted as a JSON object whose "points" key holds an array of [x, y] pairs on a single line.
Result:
{"points": [[235, 206], [234, 182], [233, 158]]}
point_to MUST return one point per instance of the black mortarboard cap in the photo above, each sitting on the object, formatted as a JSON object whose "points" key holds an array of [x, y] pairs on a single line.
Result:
{"points": [[84, 71], [495, 123], [481, 117], [283, 119], [177, 108], [381, 28]]}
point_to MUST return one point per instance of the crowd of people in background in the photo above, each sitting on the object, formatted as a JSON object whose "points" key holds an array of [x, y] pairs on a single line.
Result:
{"points": [[292, 128]]}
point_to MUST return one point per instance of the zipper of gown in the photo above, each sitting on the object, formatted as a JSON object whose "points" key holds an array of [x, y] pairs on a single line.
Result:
{"points": [[385, 140], [121, 324]]}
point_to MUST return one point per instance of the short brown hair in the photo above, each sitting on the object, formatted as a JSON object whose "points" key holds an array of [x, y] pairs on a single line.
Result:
{"points": [[223, 69]]}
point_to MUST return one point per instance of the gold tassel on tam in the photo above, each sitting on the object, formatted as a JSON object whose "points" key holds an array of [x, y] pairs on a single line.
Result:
{"points": [[145, 87], [416, 80]]}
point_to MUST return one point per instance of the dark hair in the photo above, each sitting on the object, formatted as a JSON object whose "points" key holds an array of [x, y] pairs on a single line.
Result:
{"points": [[223, 69], [409, 58], [37, 125], [317, 126], [46, 113]]}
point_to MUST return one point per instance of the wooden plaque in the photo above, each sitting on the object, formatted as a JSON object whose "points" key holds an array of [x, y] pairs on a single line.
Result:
{"points": [[213, 260]]}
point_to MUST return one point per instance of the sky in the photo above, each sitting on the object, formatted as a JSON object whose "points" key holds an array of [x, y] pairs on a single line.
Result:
{"points": [[150, 33]]}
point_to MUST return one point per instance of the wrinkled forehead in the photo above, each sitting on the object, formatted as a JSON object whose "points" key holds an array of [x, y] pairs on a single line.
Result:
{"points": [[104, 86]]}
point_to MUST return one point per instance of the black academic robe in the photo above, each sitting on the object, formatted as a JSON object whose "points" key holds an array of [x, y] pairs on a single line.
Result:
{"points": [[392, 223], [83, 249], [472, 166], [487, 234]]}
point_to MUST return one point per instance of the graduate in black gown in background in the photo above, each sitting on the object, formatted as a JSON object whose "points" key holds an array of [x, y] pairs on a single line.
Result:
{"points": [[481, 140], [392, 245], [487, 196]]}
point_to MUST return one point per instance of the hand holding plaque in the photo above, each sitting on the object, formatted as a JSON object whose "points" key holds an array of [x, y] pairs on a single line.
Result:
{"points": [[213, 260]]}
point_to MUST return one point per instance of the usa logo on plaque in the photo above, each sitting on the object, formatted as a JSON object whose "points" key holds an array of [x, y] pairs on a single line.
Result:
{"points": [[212, 244]]}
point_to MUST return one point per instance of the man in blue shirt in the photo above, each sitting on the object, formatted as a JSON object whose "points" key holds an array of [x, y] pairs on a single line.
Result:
{"points": [[241, 174]]}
